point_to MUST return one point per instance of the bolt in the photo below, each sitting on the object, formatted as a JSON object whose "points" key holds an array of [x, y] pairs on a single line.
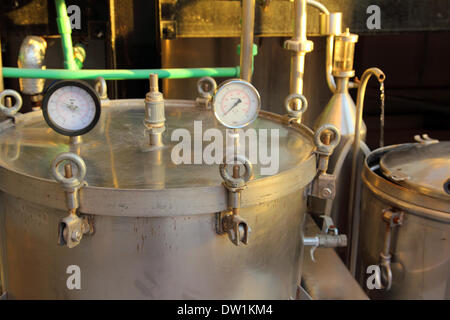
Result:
{"points": [[76, 236], [326, 193]]}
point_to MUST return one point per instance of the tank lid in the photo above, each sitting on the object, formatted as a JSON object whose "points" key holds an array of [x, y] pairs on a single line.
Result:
{"points": [[424, 167]]}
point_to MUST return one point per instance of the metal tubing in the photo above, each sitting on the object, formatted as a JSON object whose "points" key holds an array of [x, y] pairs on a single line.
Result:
{"points": [[248, 24], [181, 73], [298, 57], [65, 31], [356, 146]]}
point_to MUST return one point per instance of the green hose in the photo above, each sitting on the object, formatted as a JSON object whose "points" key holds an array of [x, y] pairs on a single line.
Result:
{"points": [[65, 30], [112, 74]]}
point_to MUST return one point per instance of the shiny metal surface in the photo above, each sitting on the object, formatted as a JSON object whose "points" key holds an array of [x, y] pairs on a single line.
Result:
{"points": [[155, 258], [154, 222], [32, 55], [420, 247], [422, 167], [113, 149]]}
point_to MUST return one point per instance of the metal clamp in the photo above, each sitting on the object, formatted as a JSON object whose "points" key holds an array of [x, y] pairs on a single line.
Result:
{"points": [[101, 88], [206, 87], [292, 113], [7, 110], [326, 138], [230, 221], [393, 219], [72, 227], [329, 238]]}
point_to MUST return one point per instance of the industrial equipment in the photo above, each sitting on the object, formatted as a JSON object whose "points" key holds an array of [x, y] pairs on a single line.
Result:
{"points": [[405, 221], [211, 196]]}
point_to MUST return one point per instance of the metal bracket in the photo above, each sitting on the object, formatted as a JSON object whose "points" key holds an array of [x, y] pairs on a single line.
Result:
{"points": [[71, 228], [323, 186], [393, 218], [230, 221]]}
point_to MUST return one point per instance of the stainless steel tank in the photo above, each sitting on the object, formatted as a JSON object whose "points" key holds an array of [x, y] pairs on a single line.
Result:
{"points": [[154, 221], [405, 222]]}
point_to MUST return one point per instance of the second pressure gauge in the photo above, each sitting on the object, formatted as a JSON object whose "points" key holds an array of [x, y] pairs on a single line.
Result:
{"points": [[236, 103], [71, 107]]}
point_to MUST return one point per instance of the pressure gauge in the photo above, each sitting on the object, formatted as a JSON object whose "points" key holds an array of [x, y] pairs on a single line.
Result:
{"points": [[71, 107], [236, 103]]}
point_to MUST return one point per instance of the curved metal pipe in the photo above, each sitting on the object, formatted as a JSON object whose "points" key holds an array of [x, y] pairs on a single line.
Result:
{"points": [[318, 5], [31, 56], [356, 146]]}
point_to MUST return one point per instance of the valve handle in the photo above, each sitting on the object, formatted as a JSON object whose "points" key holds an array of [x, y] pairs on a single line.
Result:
{"points": [[17, 104], [236, 182], [72, 182], [303, 107]]}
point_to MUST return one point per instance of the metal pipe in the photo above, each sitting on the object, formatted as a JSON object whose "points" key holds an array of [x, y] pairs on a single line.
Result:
{"points": [[318, 5], [298, 57], [329, 64], [180, 73], [356, 146], [1, 69], [65, 30], [246, 54]]}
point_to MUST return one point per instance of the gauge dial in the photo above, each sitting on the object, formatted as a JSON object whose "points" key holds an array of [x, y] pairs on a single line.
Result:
{"points": [[71, 108], [236, 103]]}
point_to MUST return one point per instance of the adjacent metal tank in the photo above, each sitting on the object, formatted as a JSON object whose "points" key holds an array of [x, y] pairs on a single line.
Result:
{"points": [[405, 221], [154, 221]]}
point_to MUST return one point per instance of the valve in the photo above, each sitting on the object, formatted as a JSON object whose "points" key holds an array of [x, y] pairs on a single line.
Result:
{"points": [[230, 221], [328, 238], [71, 228], [206, 87], [154, 113], [326, 138]]}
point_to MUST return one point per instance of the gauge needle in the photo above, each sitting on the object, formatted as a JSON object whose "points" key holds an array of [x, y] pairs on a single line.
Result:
{"points": [[233, 106], [72, 107]]}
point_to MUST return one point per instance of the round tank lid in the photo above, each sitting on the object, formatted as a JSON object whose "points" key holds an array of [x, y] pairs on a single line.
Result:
{"points": [[424, 167], [116, 154]]}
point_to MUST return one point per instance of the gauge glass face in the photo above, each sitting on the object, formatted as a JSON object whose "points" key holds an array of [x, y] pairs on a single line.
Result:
{"points": [[71, 108], [236, 104]]}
